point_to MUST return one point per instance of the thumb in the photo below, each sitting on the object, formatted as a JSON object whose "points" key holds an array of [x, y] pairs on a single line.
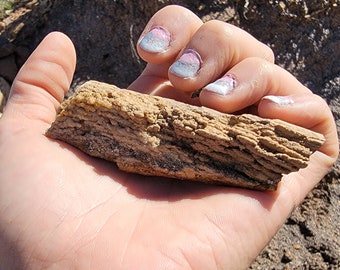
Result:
{"points": [[42, 81]]}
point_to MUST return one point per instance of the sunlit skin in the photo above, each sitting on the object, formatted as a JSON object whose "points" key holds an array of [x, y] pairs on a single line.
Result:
{"points": [[61, 209]]}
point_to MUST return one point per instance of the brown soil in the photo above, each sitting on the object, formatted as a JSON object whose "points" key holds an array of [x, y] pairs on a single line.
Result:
{"points": [[303, 34]]}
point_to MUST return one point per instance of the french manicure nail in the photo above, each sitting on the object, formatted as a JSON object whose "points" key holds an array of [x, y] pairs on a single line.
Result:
{"points": [[187, 65], [157, 40], [280, 100], [222, 86]]}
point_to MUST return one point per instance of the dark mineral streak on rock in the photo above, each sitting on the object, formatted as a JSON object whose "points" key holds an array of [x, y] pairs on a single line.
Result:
{"points": [[161, 137]]}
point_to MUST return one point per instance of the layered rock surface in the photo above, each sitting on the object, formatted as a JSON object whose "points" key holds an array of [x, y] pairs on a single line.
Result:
{"points": [[162, 137]]}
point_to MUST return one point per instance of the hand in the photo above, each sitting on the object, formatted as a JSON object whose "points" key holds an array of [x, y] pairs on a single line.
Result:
{"points": [[61, 208]]}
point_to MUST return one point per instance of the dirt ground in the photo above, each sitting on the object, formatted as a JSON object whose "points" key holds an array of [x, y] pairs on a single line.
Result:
{"points": [[304, 35]]}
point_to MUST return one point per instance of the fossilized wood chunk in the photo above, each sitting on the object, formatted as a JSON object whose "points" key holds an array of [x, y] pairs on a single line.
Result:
{"points": [[156, 136]]}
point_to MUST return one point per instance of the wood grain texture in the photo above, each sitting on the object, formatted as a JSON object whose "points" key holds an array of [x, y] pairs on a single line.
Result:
{"points": [[161, 137]]}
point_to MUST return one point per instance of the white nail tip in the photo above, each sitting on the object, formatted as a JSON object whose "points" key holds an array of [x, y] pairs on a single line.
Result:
{"points": [[223, 86], [187, 65], [220, 89], [156, 41], [280, 100]]}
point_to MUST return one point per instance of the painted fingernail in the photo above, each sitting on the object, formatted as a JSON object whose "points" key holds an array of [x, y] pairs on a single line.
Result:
{"points": [[157, 40], [187, 65], [280, 100], [222, 86]]}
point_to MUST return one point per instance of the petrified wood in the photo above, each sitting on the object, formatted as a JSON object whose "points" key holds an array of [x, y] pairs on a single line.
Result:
{"points": [[156, 136]]}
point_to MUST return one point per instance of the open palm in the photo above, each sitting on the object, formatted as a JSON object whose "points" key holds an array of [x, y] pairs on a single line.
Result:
{"points": [[61, 208]]}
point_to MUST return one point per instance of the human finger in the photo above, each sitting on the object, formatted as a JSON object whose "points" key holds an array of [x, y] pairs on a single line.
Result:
{"points": [[203, 51], [165, 35], [43, 80], [215, 47], [306, 110], [167, 32], [246, 83]]}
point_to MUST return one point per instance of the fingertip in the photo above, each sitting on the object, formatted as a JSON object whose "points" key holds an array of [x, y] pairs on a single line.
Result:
{"points": [[218, 95], [295, 109], [45, 77], [154, 45], [58, 48], [157, 40], [66, 47], [184, 72], [50, 67], [309, 111], [167, 32]]}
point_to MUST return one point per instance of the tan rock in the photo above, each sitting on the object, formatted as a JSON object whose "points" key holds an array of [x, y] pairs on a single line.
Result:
{"points": [[156, 136]]}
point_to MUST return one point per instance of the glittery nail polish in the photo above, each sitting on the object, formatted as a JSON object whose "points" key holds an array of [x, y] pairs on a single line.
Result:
{"points": [[280, 100], [222, 86], [157, 40], [187, 65]]}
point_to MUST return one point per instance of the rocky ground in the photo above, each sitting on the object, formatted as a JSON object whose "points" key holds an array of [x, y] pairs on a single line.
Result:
{"points": [[304, 35]]}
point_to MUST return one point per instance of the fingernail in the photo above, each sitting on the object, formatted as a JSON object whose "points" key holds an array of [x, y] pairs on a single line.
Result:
{"points": [[187, 65], [157, 40], [222, 86], [280, 100]]}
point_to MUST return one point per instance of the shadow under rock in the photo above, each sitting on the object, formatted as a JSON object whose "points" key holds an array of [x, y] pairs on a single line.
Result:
{"points": [[166, 189]]}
